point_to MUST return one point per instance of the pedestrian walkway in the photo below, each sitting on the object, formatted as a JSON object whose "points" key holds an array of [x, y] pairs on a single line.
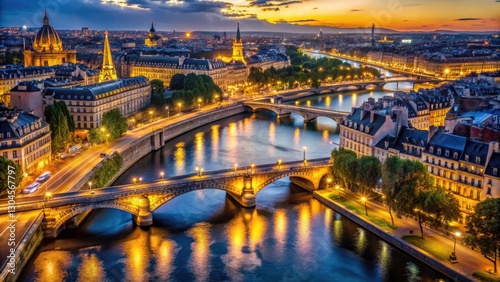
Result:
{"points": [[468, 260]]}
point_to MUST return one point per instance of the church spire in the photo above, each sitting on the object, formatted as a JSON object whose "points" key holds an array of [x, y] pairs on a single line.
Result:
{"points": [[46, 18], [238, 36], [108, 71], [152, 27]]}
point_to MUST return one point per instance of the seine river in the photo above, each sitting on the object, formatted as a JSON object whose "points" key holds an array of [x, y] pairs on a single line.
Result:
{"points": [[206, 236]]}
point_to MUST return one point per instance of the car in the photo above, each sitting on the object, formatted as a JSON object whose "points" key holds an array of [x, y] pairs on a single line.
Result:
{"points": [[103, 154], [31, 188], [43, 177]]}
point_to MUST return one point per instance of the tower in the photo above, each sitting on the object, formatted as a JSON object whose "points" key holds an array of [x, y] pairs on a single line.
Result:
{"points": [[373, 31], [152, 40], [108, 71], [238, 47]]}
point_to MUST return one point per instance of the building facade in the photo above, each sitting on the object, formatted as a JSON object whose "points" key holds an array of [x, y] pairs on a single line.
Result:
{"points": [[152, 40], [11, 77], [87, 104], [25, 139]]}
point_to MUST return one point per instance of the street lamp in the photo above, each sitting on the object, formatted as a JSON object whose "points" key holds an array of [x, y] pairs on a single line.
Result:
{"points": [[279, 164], [134, 180], [252, 165], [329, 181], [140, 180], [47, 198], [364, 201], [235, 167], [168, 113], [90, 187], [304, 148], [199, 103], [338, 189], [161, 174], [180, 107], [453, 256], [201, 172], [107, 137]]}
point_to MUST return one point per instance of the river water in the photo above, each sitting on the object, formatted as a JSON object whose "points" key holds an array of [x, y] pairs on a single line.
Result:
{"points": [[206, 236]]}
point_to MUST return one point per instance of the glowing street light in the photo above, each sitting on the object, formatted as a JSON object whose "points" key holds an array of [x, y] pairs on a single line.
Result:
{"points": [[279, 164], [140, 180], [252, 165], [235, 168], [134, 180], [162, 174], [90, 187], [453, 256], [180, 107], [329, 181], [304, 148], [107, 137], [364, 201], [338, 189], [199, 103], [168, 113]]}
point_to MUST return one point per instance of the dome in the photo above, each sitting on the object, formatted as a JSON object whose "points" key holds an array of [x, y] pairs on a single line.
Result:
{"points": [[47, 39]]}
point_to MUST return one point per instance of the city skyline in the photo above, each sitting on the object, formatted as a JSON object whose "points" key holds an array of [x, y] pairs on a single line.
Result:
{"points": [[258, 15]]}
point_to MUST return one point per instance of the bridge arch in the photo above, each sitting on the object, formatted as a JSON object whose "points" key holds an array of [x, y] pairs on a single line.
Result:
{"points": [[314, 181], [159, 199], [66, 214]]}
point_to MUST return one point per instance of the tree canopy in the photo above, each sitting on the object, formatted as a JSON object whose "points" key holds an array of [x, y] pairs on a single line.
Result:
{"points": [[483, 229], [61, 124], [15, 172]]}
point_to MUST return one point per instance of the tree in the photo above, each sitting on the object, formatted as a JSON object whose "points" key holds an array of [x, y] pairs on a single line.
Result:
{"points": [[439, 207], [8, 178], [345, 166], [96, 136], [391, 170], [157, 86], [115, 124], [483, 227], [61, 107], [368, 173], [59, 120], [177, 81]]}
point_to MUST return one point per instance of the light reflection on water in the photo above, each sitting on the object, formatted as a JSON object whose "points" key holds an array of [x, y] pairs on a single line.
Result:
{"points": [[204, 236]]}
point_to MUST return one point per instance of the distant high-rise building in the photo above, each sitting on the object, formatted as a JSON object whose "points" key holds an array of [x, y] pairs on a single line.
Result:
{"points": [[47, 49], [373, 34], [108, 71], [238, 47]]}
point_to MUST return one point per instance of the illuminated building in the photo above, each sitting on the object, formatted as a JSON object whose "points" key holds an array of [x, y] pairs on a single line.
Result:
{"points": [[152, 40], [47, 49], [25, 139], [238, 47], [87, 104], [10, 77], [108, 71]]}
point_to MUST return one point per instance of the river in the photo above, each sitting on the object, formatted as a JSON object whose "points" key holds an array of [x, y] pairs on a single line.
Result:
{"points": [[206, 236]]}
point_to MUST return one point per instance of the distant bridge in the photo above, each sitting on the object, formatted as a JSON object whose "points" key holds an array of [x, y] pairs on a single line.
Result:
{"points": [[309, 114], [142, 199], [362, 85]]}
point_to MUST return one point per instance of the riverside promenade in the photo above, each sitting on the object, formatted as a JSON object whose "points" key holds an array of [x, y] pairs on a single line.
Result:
{"points": [[468, 260]]}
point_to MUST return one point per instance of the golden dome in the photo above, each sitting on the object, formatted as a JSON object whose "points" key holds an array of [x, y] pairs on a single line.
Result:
{"points": [[47, 39]]}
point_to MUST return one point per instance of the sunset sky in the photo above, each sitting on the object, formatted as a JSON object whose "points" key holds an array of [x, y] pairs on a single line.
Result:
{"points": [[256, 15]]}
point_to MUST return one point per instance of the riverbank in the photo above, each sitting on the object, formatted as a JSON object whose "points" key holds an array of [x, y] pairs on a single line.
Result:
{"points": [[451, 271]]}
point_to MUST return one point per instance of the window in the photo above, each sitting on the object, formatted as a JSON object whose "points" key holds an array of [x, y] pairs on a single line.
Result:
{"points": [[14, 154], [447, 153], [439, 151], [478, 160], [495, 170], [455, 155], [431, 150], [489, 191], [467, 157]]}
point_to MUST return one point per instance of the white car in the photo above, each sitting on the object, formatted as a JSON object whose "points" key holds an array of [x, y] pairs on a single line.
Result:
{"points": [[43, 177], [31, 188]]}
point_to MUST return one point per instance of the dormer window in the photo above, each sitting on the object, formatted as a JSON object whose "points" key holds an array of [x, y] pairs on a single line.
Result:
{"points": [[431, 149], [447, 153], [495, 171], [439, 151], [467, 157], [478, 160], [455, 155]]}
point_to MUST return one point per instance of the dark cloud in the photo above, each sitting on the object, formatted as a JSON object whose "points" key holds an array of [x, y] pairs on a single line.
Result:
{"points": [[272, 3], [315, 8], [468, 19], [355, 10], [270, 9], [295, 21]]}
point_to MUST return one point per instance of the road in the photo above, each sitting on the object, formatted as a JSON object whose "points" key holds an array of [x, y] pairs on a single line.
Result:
{"points": [[24, 220], [468, 260]]}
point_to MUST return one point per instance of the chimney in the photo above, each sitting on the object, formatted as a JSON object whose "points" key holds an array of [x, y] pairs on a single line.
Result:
{"points": [[363, 114], [432, 130], [372, 116]]}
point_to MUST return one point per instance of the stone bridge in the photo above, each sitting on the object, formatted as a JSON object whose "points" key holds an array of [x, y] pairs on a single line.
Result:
{"points": [[362, 85], [142, 199], [309, 114]]}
